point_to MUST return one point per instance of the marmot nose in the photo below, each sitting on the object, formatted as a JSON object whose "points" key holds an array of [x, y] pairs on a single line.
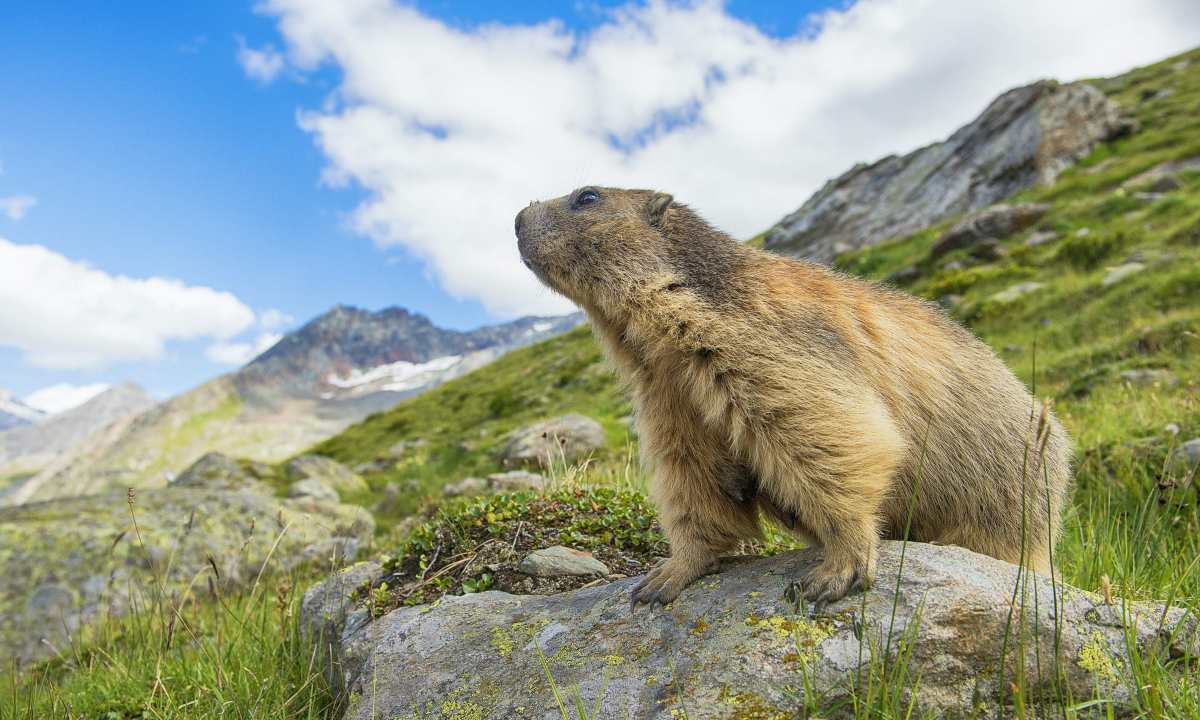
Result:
{"points": [[520, 221]]}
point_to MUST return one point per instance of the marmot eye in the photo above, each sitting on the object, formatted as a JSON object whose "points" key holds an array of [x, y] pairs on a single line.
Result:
{"points": [[587, 197]]}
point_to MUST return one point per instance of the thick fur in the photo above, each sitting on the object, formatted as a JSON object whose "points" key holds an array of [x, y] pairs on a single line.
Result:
{"points": [[845, 411]]}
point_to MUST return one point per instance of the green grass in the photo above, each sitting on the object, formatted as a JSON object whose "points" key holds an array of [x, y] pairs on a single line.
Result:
{"points": [[193, 655]]}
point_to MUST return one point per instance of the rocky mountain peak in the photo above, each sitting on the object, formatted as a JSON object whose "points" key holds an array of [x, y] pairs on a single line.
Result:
{"points": [[1024, 137]]}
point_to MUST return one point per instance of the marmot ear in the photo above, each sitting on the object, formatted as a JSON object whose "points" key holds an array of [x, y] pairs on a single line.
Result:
{"points": [[658, 207]]}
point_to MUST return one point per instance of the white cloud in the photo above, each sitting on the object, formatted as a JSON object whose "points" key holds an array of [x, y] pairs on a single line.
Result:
{"points": [[273, 319], [194, 45], [15, 206], [240, 353], [263, 65], [63, 396], [65, 314], [452, 131]]}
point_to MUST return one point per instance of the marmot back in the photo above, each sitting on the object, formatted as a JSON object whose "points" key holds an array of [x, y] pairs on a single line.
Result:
{"points": [[833, 405]]}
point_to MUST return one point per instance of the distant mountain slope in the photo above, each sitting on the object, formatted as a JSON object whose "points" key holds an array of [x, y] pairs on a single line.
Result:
{"points": [[35, 445], [1026, 136], [14, 413], [331, 372]]}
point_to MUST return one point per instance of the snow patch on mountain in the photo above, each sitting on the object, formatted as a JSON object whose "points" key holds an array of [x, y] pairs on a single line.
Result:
{"points": [[395, 377]]}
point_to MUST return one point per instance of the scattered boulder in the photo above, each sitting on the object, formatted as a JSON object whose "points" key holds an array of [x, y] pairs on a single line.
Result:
{"points": [[950, 301], [1186, 457], [512, 481], [1120, 272], [515, 480], [466, 486], [1041, 237], [1143, 377], [326, 470], [1025, 137], [904, 276], [1016, 291], [1083, 232], [1167, 183], [557, 561], [215, 471], [569, 437], [1161, 172], [312, 489], [994, 223], [404, 448], [733, 638], [69, 562]]}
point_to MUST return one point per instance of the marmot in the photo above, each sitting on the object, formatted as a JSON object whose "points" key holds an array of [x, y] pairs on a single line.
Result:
{"points": [[832, 405]]}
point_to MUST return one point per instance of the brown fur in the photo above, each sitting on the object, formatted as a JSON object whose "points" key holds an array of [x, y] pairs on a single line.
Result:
{"points": [[831, 405]]}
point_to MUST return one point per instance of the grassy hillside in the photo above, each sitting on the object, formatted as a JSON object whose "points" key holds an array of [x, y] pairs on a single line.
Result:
{"points": [[460, 426]]}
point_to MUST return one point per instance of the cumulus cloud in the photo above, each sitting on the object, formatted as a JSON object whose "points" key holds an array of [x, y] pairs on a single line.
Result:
{"points": [[15, 206], [264, 64], [240, 353], [63, 396], [273, 319], [451, 131], [65, 314]]}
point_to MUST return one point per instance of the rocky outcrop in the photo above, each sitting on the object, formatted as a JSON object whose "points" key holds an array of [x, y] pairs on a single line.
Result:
{"points": [[327, 471], [67, 563], [733, 644], [215, 471], [994, 223], [1025, 137], [568, 438]]}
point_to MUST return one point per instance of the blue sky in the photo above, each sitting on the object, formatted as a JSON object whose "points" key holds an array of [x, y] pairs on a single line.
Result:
{"points": [[154, 150]]}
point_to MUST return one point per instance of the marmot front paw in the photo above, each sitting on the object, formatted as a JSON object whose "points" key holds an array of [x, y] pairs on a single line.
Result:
{"points": [[664, 583]]}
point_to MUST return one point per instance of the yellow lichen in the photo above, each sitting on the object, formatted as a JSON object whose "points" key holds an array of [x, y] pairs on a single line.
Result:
{"points": [[699, 627], [613, 660], [502, 642], [1094, 657]]}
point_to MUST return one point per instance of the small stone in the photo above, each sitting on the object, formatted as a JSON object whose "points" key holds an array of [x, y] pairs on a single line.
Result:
{"points": [[989, 250], [514, 481], [559, 561], [1144, 377], [1120, 272], [1165, 184], [950, 301], [466, 486], [1172, 429], [1041, 237], [954, 265], [1083, 232], [904, 276], [1016, 291], [1186, 457], [312, 489], [1014, 348]]}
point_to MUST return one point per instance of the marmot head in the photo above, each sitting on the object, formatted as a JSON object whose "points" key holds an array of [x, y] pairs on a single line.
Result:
{"points": [[600, 246]]}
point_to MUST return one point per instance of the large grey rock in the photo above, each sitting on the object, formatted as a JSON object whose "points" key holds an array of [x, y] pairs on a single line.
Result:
{"points": [[1144, 377], [994, 223], [732, 641], [216, 471], [69, 562], [312, 489], [326, 470], [558, 561], [1025, 137], [568, 437]]}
